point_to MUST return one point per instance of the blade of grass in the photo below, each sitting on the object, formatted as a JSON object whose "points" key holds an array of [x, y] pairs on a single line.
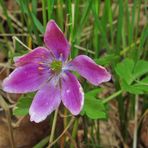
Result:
{"points": [[50, 4], [74, 19], [132, 25], [119, 26], [110, 19], [37, 23], [96, 46], [139, 4], [83, 19], [2, 3], [60, 13], [34, 6], [101, 30], [44, 13]]}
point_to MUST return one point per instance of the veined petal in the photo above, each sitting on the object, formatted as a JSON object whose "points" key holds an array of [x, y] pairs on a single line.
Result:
{"points": [[55, 40], [25, 79], [87, 68], [46, 101], [37, 55], [72, 93]]}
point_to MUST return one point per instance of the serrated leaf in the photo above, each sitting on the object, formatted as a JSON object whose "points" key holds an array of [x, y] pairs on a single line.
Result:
{"points": [[129, 73], [143, 88], [20, 111], [141, 68], [94, 108], [23, 105], [134, 89], [124, 70]]}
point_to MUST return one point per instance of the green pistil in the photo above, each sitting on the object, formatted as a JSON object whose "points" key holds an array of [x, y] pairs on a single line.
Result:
{"points": [[56, 66]]}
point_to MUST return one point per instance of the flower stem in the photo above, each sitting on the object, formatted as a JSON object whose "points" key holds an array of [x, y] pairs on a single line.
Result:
{"points": [[74, 131], [112, 96], [70, 123], [53, 127], [136, 123]]}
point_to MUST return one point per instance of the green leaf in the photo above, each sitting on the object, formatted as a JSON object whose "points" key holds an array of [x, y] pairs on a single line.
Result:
{"points": [[133, 89], [23, 5], [37, 23], [140, 68], [20, 111], [129, 73], [124, 70], [141, 87], [93, 93], [23, 105], [94, 108], [145, 80], [107, 59]]}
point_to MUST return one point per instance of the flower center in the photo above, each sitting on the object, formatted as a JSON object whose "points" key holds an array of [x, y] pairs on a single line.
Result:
{"points": [[56, 66]]}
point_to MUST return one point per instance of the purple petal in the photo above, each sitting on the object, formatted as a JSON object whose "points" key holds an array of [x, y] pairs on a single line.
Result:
{"points": [[55, 40], [27, 78], [37, 55], [46, 101], [72, 93], [87, 68]]}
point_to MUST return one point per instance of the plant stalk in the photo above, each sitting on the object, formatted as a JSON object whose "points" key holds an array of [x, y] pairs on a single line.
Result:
{"points": [[136, 123], [53, 127], [112, 96]]}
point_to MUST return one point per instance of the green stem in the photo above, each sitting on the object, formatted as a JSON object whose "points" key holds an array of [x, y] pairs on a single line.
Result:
{"points": [[70, 123], [53, 127], [74, 131], [50, 4], [136, 123], [44, 13], [112, 96], [125, 50], [42, 143]]}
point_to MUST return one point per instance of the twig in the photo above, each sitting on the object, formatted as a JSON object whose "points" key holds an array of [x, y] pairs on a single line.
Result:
{"points": [[6, 65], [64, 116], [73, 142], [136, 123], [70, 123], [14, 34], [84, 49], [8, 116], [15, 38]]}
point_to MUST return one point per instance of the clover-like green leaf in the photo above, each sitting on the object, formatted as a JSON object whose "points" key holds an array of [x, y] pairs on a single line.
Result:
{"points": [[130, 73], [93, 107], [23, 105], [124, 70]]}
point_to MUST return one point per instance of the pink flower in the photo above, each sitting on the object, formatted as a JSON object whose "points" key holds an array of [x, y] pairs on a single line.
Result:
{"points": [[47, 71]]}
